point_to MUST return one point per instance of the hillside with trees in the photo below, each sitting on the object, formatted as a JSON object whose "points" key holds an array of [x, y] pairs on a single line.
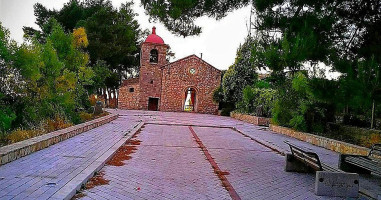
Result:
{"points": [[292, 40], [48, 82]]}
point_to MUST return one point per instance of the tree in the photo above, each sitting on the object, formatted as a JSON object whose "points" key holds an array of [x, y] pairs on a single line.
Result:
{"points": [[10, 81], [241, 74], [343, 34], [56, 74], [113, 34], [179, 16], [291, 33]]}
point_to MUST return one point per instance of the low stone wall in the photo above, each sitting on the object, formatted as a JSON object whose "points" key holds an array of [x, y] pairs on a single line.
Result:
{"points": [[334, 145], [260, 121], [17, 150], [355, 135]]}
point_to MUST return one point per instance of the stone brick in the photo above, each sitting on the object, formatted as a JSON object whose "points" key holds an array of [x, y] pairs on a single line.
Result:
{"points": [[337, 184], [260, 121], [127, 99], [17, 150], [327, 143], [177, 79]]}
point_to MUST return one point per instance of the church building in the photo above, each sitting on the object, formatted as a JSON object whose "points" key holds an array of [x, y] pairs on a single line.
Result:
{"points": [[185, 85]]}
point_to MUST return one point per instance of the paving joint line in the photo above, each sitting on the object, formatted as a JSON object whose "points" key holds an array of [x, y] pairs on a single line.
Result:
{"points": [[262, 142], [225, 182], [196, 125], [174, 146]]}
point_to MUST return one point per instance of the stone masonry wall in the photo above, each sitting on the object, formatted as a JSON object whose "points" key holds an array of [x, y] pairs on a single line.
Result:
{"points": [[259, 121], [176, 79], [150, 73], [129, 100], [334, 145], [17, 150]]}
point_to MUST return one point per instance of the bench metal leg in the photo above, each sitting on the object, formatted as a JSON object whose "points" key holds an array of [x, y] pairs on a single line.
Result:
{"points": [[336, 184], [348, 167], [294, 165]]}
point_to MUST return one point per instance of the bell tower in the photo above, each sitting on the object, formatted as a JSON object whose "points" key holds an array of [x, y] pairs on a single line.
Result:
{"points": [[152, 58]]}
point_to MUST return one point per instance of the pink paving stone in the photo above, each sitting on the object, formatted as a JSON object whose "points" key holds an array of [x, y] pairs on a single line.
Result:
{"points": [[169, 164]]}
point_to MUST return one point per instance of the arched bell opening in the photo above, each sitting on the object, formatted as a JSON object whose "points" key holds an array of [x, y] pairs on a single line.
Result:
{"points": [[154, 56]]}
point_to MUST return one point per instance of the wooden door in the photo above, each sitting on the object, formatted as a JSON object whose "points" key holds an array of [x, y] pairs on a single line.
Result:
{"points": [[153, 104]]}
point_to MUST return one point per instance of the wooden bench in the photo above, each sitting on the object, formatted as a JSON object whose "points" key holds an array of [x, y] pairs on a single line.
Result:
{"points": [[329, 181], [362, 164], [309, 159]]}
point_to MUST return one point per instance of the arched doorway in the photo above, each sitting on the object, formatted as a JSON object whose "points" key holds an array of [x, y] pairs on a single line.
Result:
{"points": [[190, 100]]}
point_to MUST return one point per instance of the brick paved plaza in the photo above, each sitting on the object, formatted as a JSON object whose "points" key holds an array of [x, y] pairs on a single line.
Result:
{"points": [[169, 163]]}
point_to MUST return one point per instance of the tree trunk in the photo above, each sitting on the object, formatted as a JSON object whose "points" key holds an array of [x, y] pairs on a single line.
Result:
{"points": [[372, 122]]}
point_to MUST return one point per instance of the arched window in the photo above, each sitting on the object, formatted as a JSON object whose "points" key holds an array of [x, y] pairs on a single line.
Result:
{"points": [[154, 56]]}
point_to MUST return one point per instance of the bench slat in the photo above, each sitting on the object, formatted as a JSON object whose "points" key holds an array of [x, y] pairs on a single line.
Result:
{"points": [[366, 164], [329, 168], [364, 160], [310, 161], [372, 162], [309, 158]]}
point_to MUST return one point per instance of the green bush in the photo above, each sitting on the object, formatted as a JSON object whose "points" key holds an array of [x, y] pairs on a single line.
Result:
{"points": [[298, 108], [6, 118], [254, 98]]}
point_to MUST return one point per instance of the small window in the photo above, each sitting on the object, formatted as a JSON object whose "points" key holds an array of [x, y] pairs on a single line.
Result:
{"points": [[154, 56], [132, 89]]}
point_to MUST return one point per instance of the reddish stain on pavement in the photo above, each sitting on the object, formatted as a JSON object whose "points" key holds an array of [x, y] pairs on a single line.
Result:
{"points": [[134, 142], [122, 154], [78, 196], [125, 151], [97, 180]]}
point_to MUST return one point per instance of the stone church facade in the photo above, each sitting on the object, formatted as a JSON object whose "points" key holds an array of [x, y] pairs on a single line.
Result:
{"points": [[184, 85]]}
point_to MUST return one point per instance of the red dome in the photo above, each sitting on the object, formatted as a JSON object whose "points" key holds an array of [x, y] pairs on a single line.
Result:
{"points": [[153, 38]]}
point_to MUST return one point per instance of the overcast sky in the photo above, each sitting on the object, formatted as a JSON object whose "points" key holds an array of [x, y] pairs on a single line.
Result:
{"points": [[218, 42]]}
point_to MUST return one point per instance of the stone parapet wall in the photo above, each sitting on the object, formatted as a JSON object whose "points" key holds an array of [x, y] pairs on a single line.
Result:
{"points": [[259, 121], [17, 150], [327, 143]]}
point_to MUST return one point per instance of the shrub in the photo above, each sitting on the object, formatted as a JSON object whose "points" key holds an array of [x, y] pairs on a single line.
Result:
{"points": [[218, 95], [57, 123], [6, 118], [298, 108], [20, 135], [258, 101], [85, 116], [92, 99]]}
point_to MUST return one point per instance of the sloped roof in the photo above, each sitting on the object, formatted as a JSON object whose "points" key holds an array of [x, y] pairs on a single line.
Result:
{"points": [[188, 57], [130, 81]]}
